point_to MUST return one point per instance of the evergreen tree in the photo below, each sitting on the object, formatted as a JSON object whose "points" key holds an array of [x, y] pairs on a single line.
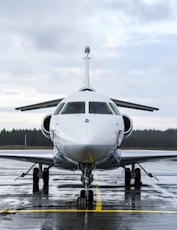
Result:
{"points": [[139, 139]]}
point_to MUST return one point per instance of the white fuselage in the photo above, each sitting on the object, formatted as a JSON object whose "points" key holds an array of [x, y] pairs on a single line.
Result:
{"points": [[89, 134]]}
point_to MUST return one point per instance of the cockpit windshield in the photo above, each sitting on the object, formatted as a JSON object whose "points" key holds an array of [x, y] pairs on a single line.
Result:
{"points": [[114, 108], [59, 108], [99, 108], [74, 107]]}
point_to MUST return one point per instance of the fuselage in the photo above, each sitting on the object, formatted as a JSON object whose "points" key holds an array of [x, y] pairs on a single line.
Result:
{"points": [[86, 127]]}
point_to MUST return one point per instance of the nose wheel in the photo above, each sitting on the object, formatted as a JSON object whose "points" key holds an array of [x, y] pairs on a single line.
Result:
{"points": [[86, 195], [85, 199]]}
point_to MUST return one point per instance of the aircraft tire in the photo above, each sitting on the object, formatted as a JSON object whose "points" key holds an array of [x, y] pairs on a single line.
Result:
{"points": [[127, 177], [81, 202], [90, 197], [82, 194], [45, 180], [138, 177], [35, 180]]}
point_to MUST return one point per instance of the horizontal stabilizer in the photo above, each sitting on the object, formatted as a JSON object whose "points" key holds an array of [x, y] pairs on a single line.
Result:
{"points": [[55, 102], [41, 105], [131, 105]]}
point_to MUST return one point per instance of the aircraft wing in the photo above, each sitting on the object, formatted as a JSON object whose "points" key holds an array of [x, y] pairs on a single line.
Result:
{"points": [[131, 105], [139, 156], [37, 156], [41, 105]]}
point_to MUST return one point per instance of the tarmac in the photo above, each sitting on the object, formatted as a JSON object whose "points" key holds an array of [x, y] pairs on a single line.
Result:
{"points": [[153, 206]]}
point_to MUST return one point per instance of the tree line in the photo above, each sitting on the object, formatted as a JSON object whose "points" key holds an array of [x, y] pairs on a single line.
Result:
{"points": [[139, 139], [23, 137], [152, 139]]}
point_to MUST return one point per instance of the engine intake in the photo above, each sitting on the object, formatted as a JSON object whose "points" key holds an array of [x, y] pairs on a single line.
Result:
{"points": [[45, 127], [128, 126]]}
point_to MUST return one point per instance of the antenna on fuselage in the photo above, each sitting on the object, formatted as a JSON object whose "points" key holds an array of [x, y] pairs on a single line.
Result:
{"points": [[86, 80]]}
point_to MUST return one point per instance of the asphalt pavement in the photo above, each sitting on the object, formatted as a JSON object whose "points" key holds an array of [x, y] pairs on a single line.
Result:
{"points": [[152, 206]]}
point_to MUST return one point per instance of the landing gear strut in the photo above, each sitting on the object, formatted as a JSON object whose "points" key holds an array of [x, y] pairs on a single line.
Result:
{"points": [[37, 174], [86, 195]]}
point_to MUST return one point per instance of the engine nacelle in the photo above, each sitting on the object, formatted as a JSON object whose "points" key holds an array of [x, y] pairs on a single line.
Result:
{"points": [[45, 126], [128, 126]]}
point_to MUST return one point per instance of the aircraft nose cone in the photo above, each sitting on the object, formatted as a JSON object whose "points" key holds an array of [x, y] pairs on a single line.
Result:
{"points": [[86, 153], [89, 149], [87, 141]]}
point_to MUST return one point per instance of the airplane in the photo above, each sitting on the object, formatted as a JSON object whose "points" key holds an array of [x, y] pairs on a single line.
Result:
{"points": [[87, 131]]}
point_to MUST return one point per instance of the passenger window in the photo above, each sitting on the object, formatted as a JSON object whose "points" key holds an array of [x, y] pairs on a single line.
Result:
{"points": [[74, 107], [114, 108], [59, 108], [99, 108]]}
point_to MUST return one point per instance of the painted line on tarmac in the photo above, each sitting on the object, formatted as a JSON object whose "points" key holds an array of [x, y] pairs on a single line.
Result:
{"points": [[98, 197], [84, 211]]}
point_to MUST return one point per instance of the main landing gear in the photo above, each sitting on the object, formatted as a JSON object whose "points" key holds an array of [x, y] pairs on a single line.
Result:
{"points": [[37, 174], [86, 195], [134, 173], [44, 174]]}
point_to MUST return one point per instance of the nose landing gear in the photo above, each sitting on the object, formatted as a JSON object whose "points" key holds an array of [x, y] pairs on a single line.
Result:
{"points": [[86, 195]]}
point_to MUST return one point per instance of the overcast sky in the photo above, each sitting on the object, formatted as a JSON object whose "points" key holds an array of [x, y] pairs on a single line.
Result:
{"points": [[133, 56]]}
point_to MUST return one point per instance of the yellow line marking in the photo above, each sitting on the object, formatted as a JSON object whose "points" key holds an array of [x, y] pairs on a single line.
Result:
{"points": [[98, 200], [98, 197], [91, 211], [90, 157]]}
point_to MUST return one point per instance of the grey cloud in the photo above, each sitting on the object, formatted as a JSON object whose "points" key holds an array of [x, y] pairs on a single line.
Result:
{"points": [[141, 11], [42, 48], [50, 26], [58, 38], [145, 67]]}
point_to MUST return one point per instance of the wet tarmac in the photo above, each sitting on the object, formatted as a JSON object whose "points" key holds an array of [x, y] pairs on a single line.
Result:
{"points": [[153, 206]]}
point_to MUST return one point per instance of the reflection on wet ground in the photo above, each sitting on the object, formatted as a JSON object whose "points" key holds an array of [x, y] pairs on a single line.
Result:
{"points": [[153, 206]]}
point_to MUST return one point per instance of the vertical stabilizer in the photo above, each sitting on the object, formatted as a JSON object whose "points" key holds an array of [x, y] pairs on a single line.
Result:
{"points": [[86, 80]]}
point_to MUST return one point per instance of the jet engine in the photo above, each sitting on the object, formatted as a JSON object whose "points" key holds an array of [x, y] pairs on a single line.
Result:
{"points": [[45, 126], [128, 126]]}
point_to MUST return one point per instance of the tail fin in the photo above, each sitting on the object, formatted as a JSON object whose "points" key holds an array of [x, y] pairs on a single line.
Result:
{"points": [[87, 80]]}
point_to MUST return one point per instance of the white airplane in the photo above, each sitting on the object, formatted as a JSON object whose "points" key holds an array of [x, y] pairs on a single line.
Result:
{"points": [[87, 131]]}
